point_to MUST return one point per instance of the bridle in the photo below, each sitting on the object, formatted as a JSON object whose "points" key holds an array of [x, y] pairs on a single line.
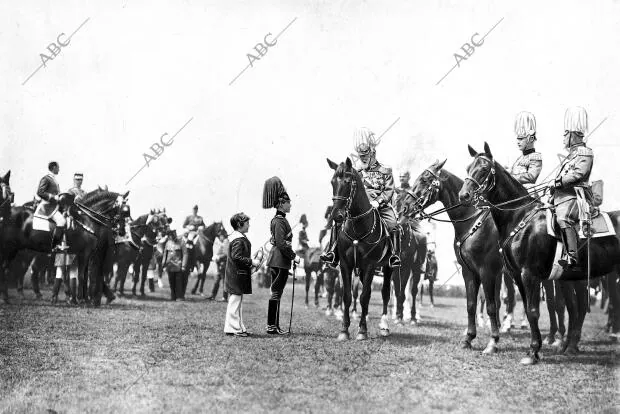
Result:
{"points": [[425, 199], [7, 196], [487, 184], [347, 209]]}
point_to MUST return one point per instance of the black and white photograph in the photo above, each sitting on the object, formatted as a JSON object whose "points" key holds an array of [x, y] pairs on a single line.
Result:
{"points": [[309, 206]]}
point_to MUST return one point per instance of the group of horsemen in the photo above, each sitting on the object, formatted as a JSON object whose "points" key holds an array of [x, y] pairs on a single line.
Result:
{"points": [[573, 175]]}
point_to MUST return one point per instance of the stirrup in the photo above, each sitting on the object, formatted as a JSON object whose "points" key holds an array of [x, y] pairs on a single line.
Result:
{"points": [[329, 257], [394, 261]]}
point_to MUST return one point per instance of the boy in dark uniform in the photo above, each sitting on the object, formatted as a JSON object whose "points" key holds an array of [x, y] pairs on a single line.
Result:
{"points": [[282, 254]]}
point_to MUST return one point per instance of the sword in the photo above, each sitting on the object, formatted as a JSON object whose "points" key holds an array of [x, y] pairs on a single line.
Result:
{"points": [[290, 322]]}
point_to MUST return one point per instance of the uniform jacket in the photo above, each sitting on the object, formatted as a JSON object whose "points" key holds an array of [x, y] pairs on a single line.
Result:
{"points": [[195, 221], [282, 253], [48, 188], [378, 182], [175, 256], [574, 172], [238, 280], [527, 168], [77, 192]]}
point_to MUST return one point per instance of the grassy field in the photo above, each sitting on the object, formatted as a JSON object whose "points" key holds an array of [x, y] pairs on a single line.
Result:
{"points": [[151, 355]]}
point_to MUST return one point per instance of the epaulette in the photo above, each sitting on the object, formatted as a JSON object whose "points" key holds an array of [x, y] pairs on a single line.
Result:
{"points": [[536, 156], [384, 169], [585, 151]]}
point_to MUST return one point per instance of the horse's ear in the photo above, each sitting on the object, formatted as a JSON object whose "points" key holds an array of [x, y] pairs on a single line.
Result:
{"points": [[487, 150], [472, 151], [349, 163], [125, 195], [7, 177], [332, 164], [169, 220], [99, 187], [441, 164]]}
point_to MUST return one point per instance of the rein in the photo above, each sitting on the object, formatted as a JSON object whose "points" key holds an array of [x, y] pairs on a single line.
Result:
{"points": [[348, 202]]}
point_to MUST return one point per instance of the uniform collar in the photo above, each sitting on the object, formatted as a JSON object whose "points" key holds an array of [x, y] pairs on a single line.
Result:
{"points": [[280, 213], [529, 151]]}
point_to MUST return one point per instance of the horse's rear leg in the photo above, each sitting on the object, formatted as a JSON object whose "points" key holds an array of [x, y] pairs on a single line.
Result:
{"points": [[550, 300], [582, 293], [530, 294], [308, 279], [472, 286], [4, 289], [362, 333], [384, 328], [399, 290], [414, 283], [320, 280], [570, 299], [355, 292], [560, 307], [613, 289]]}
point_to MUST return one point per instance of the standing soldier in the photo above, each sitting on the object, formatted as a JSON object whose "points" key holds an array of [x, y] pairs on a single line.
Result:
{"points": [[48, 191], [379, 185], [220, 256], [303, 239], [282, 254], [77, 186], [574, 173], [526, 170], [192, 223]]}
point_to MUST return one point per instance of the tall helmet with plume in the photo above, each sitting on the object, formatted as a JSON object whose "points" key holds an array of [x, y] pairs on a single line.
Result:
{"points": [[274, 193], [525, 124], [575, 125], [364, 141]]}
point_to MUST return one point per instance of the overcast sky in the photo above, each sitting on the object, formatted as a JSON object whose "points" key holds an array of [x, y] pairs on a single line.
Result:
{"points": [[138, 69]]}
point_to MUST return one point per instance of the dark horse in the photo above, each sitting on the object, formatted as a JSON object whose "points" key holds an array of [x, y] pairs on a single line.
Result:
{"points": [[363, 244], [144, 231], [475, 242], [527, 249], [95, 217], [312, 263], [203, 250]]}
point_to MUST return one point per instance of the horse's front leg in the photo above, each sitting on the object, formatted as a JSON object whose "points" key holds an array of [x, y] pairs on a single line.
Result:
{"points": [[550, 300], [472, 285], [581, 293], [308, 279], [491, 293], [384, 328], [400, 277], [530, 293], [346, 297], [367, 276]]}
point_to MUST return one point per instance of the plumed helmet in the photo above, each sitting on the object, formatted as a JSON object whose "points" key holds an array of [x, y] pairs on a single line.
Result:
{"points": [[364, 141], [525, 124], [274, 193], [576, 120]]}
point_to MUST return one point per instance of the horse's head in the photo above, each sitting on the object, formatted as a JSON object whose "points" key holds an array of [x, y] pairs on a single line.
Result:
{"points": [[7, 196], [480, 176], [344, 185], [423, 193]]}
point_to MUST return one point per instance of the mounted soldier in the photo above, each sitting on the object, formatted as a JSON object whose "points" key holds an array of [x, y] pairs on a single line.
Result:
{"points": [[302, 238], [49, 207], [192, 223], [404, 181], [528, 166], [573, 178], [379, 185], [77, 186]]}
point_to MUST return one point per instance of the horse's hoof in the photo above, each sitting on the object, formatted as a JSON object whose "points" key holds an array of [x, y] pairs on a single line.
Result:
{"points": [[529, 360], [329, 312], [557, 343], [466, 345], [548, 340], [399, 321], [413, 322], [343, 336], [384, 332], [571, 351], [361, 336], [490, 349]]}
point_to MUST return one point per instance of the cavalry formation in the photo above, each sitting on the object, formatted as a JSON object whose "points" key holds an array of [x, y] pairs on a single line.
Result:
{"points": [[503, 229]]}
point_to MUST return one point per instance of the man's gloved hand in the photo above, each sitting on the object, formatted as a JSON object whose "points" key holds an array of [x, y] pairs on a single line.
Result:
{"points": [[374, 204], [296, 260], [255, 262]]}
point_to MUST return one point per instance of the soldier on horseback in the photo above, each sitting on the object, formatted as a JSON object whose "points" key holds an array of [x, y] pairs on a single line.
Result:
{"points": [[379, 185], [49, 191], [404, 181], [77, 190], [192, 223], [574, 174], [528, 166]]}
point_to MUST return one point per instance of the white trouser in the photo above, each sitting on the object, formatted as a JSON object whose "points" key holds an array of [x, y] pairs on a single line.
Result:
{"points": [[234, 315], [59, 219]]}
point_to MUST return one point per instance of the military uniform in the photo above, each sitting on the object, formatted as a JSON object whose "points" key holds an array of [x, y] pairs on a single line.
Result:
{"points": [[527, 168], [48, 188], [379, 185], [192, 223]]}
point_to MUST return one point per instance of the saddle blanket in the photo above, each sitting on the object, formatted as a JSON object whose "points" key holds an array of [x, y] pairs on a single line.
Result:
{"points": [[601, 226], [41, 223]]}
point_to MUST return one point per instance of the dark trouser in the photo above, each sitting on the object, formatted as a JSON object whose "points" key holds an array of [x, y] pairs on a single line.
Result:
{"points": [[278, 281], [175, 280], [431, 283], [218, 278]]}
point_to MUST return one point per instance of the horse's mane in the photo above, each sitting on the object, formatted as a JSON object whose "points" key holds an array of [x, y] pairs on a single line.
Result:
{"points": [[141, 220], [513, 182], [101, 201]]}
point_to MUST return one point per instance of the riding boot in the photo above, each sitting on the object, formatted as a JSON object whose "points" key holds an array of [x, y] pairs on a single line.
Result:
{"points": [[73, 284], [330, 256], [55, 290], [273, 318], [394, 260], [571, 241]]}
